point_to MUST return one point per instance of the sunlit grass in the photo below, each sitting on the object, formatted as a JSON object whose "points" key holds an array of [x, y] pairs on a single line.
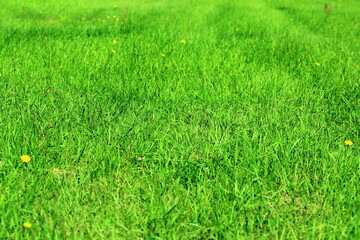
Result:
{"points": [[179, 119]]}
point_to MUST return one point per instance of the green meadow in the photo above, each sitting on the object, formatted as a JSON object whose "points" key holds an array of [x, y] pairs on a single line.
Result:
{"points": [[188, 119]]}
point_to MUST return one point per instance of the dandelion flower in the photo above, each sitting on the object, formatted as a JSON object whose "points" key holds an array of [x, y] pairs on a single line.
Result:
{"points": [[115, 42], [317, 64], [349, 143], [113, 51], [27, 225], [182, 41], [163, 55], [25, 158]]}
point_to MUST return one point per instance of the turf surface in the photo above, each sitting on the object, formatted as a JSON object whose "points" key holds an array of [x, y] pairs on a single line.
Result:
{"points": [[183, 119]]}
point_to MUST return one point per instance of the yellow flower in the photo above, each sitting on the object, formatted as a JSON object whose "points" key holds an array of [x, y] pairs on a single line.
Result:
{"points": [[183, 41], [163, 55], [114, 16], [25, 158], [27, 225], [108, 17], [113, 51], [349, 143], [317, 64], [115, 42]]}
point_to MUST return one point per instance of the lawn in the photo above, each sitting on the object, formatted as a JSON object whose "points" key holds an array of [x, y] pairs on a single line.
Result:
{"points": [[188, 119]]}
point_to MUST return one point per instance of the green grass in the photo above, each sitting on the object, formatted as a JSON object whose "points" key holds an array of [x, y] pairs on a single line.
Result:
{"points": [[235, 134]]}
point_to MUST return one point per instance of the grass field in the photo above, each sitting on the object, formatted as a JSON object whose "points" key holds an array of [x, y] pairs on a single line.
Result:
{"points": [[189, 119]]}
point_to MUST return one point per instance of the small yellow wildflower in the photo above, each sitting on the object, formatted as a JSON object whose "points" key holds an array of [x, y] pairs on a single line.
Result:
{"points": [[115, 42], [163, 55], [317, 64], [349, 143], [108, 17], [25, 158], [182, 41], [27, 225], [114, 16], [113, 51]]}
